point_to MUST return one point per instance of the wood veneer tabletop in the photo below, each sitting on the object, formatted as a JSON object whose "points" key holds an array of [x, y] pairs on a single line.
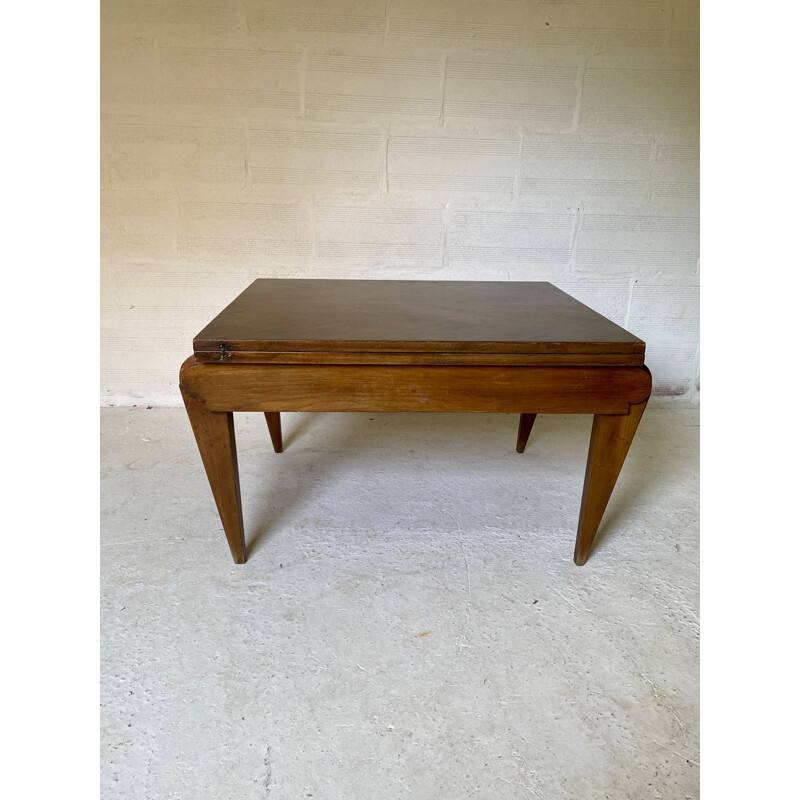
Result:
{"points": [[310, 315]]}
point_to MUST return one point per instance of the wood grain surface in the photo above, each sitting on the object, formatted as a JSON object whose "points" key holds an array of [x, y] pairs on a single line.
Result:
{"points": [[280, 387], [421, 317]]}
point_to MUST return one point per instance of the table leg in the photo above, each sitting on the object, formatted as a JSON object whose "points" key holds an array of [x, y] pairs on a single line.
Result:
{"points": [[525, 424], [612, 435], [216, 441], [274, 425]]}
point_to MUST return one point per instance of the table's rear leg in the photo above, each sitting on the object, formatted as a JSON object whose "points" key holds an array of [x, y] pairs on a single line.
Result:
{"points": [[612, 435], [524, 431], [274, 425], [216, 441]]}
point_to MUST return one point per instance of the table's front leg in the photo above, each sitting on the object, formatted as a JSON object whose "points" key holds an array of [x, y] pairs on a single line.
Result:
{"points": [[216, 441], [612, 435]]}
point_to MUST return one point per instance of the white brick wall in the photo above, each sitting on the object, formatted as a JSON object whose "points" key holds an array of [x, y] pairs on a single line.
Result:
{"points": [[427, 139]]}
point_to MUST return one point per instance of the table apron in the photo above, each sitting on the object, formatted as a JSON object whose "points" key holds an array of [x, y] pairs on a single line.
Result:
{"points": [[505, 389]]}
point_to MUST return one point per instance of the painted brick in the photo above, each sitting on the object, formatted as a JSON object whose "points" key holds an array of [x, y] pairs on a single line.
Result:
{"points": [[448, 23], [512, 238], [255, 83], [337, 21], [539, 94], [582, 167], [685, 32], [610, 25], [388, 235], [368, 85], [243, 233], [450, 163], [310, 158], [146, 155], [641, 243], [655, 95], [129, 74]]}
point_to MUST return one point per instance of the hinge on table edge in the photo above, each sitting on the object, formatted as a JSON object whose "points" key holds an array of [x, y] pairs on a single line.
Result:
{"points": [[223, 353]]}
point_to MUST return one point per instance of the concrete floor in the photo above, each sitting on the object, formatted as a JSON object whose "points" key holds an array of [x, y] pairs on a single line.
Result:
{"points": [[409, 623]]}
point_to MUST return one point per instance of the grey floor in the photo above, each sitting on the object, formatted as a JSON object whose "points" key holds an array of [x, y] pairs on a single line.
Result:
{"points": [[409, 623]]}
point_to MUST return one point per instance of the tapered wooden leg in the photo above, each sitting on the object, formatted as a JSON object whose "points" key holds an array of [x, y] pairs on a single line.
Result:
{"points": [[216, 441], [612, 435], [525, 424], [274, 425]]}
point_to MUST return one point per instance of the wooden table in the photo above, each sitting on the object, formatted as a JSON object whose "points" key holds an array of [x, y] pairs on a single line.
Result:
{"points": [[338, 345]]}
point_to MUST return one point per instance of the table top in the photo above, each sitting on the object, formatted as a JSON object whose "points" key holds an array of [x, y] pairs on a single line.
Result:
{"points": [[533, 321]]}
